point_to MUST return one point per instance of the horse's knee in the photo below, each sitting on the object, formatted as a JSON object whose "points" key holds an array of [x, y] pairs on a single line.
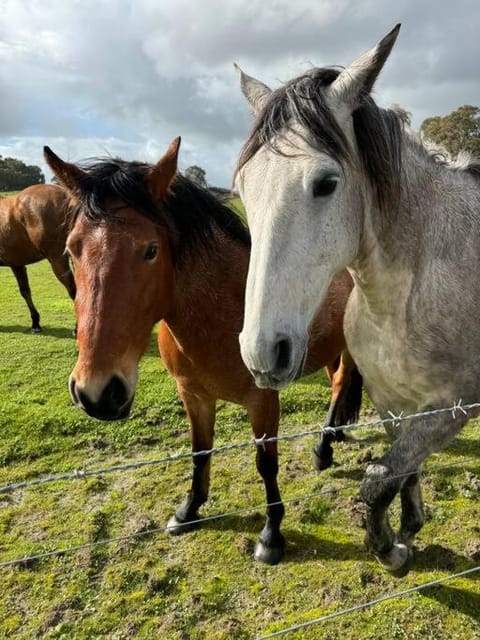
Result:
{"points": [[378, 487]]}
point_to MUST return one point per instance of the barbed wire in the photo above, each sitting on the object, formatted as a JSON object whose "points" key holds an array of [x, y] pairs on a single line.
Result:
{"points": [[366, 605], [165, 529], [82, 474], [258, 442], [25, 560]]}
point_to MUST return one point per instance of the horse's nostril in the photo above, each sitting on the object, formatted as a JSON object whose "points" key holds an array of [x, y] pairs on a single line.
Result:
{"points": [[115, 393], [73, 390], [113, 403], [282, 352]]}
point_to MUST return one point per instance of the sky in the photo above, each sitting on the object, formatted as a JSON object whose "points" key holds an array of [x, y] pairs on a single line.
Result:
{"points": [[123, 78]]}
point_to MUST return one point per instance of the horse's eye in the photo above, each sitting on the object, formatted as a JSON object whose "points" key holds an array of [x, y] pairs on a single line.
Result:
{"points": [[151, 252], [324, 186]]}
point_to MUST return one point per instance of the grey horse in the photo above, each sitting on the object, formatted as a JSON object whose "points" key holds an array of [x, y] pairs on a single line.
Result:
{"points": [[330, 180]]}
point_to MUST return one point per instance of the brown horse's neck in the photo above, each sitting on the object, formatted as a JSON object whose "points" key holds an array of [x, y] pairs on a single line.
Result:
{"points": [[210, 288]]}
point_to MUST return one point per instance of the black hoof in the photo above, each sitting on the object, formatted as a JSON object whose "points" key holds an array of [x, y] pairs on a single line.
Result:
{"points": [[398, 561], [176, 527], [268, 555], [322, 457]]}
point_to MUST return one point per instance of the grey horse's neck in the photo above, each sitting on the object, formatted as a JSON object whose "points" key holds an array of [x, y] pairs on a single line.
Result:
{"points": [[437, 216]]}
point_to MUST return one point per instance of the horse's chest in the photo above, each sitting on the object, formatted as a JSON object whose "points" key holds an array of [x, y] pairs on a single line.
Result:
{"points": [[393, 375]]}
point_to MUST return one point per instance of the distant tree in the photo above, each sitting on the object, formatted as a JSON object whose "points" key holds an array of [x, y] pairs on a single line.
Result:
{"points": [[16, 175], [460, 130], [197, 175]]}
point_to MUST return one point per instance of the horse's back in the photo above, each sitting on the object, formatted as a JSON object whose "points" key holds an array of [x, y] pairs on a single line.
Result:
{"points": [[42, 210], [32, 224], [16, 249]]}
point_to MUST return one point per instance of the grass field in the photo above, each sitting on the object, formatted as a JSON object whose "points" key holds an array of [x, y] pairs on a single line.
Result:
{"points": [[204, 584]]}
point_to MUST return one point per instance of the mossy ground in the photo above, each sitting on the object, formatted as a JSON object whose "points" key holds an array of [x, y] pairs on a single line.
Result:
{"points": [[204, 584]]}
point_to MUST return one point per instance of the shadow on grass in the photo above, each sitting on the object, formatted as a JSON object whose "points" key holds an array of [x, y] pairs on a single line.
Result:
{"points": [[67, 332], [300, 546], [436, 556], [305, 547], [56, 332], [459, 600]]}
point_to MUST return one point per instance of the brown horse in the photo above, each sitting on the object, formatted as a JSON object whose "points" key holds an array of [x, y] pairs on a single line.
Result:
{"points": [[148, 245], [32, 228]]}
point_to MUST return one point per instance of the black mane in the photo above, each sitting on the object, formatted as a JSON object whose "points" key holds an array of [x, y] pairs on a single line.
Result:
{"points": [[188, 212], [303, 101]]}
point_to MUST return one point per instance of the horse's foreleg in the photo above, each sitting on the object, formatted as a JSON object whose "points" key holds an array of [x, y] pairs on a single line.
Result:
{"points": [[397, 471], [413, 516], [201, 414], [264, 417], [21, 276], [344, 407]]}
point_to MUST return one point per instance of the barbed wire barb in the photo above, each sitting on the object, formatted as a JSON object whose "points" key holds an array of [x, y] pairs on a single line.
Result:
{"points": [[458, 405], [260, 442]]}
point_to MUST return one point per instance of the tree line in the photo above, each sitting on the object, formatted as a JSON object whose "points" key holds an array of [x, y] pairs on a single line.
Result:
{"points": [[457, 131], [16, 175]]}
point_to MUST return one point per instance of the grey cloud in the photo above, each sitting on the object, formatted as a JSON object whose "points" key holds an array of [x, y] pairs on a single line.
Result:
{"points": [[143, 72]]}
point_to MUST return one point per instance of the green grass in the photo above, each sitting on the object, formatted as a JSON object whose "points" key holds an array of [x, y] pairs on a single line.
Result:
{"points": [[204, 584]]}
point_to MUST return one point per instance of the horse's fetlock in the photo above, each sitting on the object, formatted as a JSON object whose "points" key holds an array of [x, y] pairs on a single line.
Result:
{"points": [[271, 537], [322, 456]]}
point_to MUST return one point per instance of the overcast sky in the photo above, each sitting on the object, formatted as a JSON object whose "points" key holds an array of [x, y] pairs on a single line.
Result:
{"points": [[121, 77]]}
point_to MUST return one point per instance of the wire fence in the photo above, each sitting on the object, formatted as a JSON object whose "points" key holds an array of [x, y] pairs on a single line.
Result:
{"points": [[27, 560], [329, 491], [77, 474], [365, 605]]}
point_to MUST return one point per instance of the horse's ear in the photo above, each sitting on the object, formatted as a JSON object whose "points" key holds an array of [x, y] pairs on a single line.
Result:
{"points": [[357, 80], [164, 171], [255, 91], [69, 175]]}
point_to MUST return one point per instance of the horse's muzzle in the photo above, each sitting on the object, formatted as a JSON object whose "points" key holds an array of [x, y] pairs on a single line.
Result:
{"points": [[113, 403], [284, 364]]}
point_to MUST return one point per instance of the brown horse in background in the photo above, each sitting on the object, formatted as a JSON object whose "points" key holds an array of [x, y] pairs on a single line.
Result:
{"points": [[148, 245], [32, 228]]}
